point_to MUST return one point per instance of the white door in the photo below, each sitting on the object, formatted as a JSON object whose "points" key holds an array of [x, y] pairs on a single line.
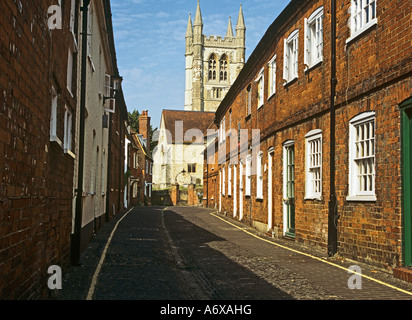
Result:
{"points": [[220, 191], [234, 191], [240, 191], [270, 189]]}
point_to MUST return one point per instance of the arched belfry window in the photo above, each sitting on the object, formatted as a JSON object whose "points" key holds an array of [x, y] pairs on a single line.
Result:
{"points": [[212, 67], [223, 68]]}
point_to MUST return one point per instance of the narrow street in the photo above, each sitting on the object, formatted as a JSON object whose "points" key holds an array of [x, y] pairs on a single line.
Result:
{"points": [[187, 253]]}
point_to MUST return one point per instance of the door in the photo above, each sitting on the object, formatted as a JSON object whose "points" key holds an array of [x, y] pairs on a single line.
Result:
{"points": [[234, 191], [289, 189], [240, 191], [270, 189], [220, 191], [407, 178]]}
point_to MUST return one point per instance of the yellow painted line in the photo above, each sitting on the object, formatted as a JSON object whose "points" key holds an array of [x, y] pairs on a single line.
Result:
{"points": [[314, 257], [99, 266]]}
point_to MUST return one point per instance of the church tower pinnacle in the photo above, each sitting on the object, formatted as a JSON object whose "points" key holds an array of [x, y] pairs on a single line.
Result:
{"points": [[212, 62]]}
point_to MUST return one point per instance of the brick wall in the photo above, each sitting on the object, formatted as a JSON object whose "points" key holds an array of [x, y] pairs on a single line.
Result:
{"points": [[374, 74], [36, 185]]}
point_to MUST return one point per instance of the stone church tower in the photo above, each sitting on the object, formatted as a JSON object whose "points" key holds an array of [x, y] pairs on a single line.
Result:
{"points": [[212, 63]]}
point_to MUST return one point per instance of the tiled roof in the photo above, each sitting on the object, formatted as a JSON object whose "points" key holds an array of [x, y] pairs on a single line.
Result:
{"points": [[189, 123]]}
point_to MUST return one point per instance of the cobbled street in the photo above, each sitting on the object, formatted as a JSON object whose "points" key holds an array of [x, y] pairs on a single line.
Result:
{"points": [[182, 253]]}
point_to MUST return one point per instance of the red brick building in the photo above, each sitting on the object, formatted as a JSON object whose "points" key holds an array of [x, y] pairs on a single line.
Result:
{"points": [[41, 90], [36, 149], [140, 164], [283, 185]]}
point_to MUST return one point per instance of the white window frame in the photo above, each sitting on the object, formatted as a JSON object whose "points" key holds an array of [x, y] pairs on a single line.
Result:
{"points": [[272, 77], [70, 61], [291, 57], [364, 120], [363, 17], [259, 176], [248, 175], [72, 16], [53, 115], [223, 130], [249, 99], [68, 131], [260, 80], [135, 160], [314, 164], [89, 31], [108, 90], [313, 53]]}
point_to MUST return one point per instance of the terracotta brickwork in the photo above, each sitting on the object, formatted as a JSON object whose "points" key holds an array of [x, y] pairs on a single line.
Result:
{"points": [[373, 77], [36, 186]]}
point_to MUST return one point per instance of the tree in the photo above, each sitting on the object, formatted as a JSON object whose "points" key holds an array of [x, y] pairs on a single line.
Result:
{"points": [[134, 125], [134, 120]]}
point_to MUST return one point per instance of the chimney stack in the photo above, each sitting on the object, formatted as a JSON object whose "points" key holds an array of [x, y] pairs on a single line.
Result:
{"points": [[144, 128]]}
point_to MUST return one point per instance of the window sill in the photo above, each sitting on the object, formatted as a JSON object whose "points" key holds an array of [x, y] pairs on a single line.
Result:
{"points": [[371, 198], [313, 66], [271, 95], [313, 198], [289, 82], [56, 141], [259, 198], [358, 33], [69, 153]]}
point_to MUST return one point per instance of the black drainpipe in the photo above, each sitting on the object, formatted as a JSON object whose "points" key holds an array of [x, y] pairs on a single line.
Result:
{"points": [[333, 216], [76, 239]]}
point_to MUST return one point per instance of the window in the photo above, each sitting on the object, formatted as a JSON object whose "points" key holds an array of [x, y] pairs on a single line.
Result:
{"points": [[89, 30], [67, 130], [217, 93], [362, 157], [259, 180], [261, 87], [212, 67], [53, 115], [314, 164], [110, 103], [290, 62], [70, 71], [363, 16], [248, 175], [272, 77], [135, 160], [249, 99], [314, 38], [223, 130], [191, 168], [223, 68], [72, 15], [229, 178]]}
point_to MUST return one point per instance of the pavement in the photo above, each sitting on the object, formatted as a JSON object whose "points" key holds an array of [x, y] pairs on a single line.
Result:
{"points": [[197, 254]]}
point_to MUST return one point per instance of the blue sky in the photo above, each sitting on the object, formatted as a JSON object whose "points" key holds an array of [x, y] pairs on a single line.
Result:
{"points": [[150, 44]]}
